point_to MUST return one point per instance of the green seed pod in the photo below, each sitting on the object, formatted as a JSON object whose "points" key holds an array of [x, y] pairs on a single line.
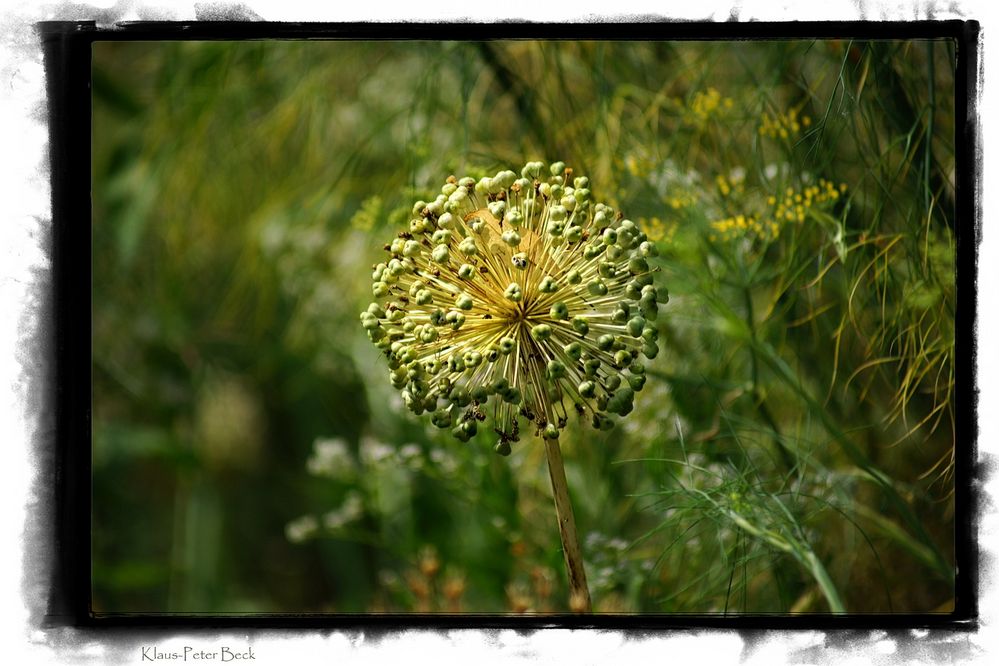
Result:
{"points": [[557, 213], [573, 350], [441, 236], [555, 229], [590, 367], [559, 311], [464, 301], [597, 287], [428, 334], [602, 422], [605, 342], [497, 208], [379, 289], [541, 332], [581, 194], [615, 252], [648, 249], [472, 359], [593, 250], [609, 236], [633, 290], [441, 418], [507, 345], [636, 382], [455, 319], [511, 238], [557, 168], [568, 202], [551, 431], [512, 395], [580, 324], [650, 349], [506, 179], [501, 385], [607, 269], [545, 190], [635, 326], [580, 182], [547, 285], [411, 248], [467, 247], [513, 217], [573, 277], [573, 233], [424, 297], [519, 260], [622, 358], [644, 279], [440, 254], [502, 447], [556, 370], [466, 271], [436, 207], [531, 170], [480, 394], [514, 292], [460, 396], [445, 221], [455, 363], [587, 389]]}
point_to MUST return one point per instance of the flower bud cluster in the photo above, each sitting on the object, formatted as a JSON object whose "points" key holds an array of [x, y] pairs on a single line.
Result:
{"points": [[516, 295]]}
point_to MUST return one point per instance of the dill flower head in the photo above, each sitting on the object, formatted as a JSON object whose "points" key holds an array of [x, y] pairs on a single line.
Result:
{"points": [[514, 297]]}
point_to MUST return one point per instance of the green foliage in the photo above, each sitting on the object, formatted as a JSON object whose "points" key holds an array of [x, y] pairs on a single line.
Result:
{"points": [[792, 448]]}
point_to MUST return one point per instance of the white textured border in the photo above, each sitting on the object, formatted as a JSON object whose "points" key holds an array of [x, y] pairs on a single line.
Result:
{"points": [[24, 221]]}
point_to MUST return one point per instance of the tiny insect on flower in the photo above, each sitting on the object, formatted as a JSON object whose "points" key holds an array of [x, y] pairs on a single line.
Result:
{"points": [[516, 296]]}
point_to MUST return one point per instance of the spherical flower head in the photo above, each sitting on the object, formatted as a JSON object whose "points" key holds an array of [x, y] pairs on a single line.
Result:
{"points": [[510, 298]]}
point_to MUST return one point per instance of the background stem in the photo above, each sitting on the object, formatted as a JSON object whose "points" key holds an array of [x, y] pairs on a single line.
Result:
{"points": [[579, 593]]}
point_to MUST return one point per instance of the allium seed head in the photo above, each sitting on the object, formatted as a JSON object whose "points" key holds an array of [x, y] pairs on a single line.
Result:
{"points": [[512, 297]]}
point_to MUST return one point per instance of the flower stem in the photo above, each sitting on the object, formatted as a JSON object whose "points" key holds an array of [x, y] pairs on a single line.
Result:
{"points": [[579, 593]]}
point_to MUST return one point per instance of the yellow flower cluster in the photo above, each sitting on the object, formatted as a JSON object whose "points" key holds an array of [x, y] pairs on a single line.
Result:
{"points": [[794, 205], [739, 225], [727, 186], [639, 166], [783, 125], [706, 104], [657, 230], [681, 200]]}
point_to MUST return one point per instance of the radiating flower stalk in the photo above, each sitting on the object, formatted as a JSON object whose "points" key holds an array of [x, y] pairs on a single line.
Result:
{"points": [[510, 298]]}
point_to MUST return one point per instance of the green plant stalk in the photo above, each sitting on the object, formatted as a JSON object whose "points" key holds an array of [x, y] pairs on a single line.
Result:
{"points": [[800, 552], [778, 365], [579, 592], [821, 577]]}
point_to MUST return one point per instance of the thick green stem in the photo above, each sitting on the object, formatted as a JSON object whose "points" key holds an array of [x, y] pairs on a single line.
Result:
{"points": [[579, 593]]}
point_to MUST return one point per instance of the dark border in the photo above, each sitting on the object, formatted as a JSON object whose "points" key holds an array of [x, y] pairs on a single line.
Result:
{"points": [[67, 57]]}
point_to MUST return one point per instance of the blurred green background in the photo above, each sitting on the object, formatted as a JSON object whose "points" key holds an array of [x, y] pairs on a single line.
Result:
{"points": [[792, 451]]}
